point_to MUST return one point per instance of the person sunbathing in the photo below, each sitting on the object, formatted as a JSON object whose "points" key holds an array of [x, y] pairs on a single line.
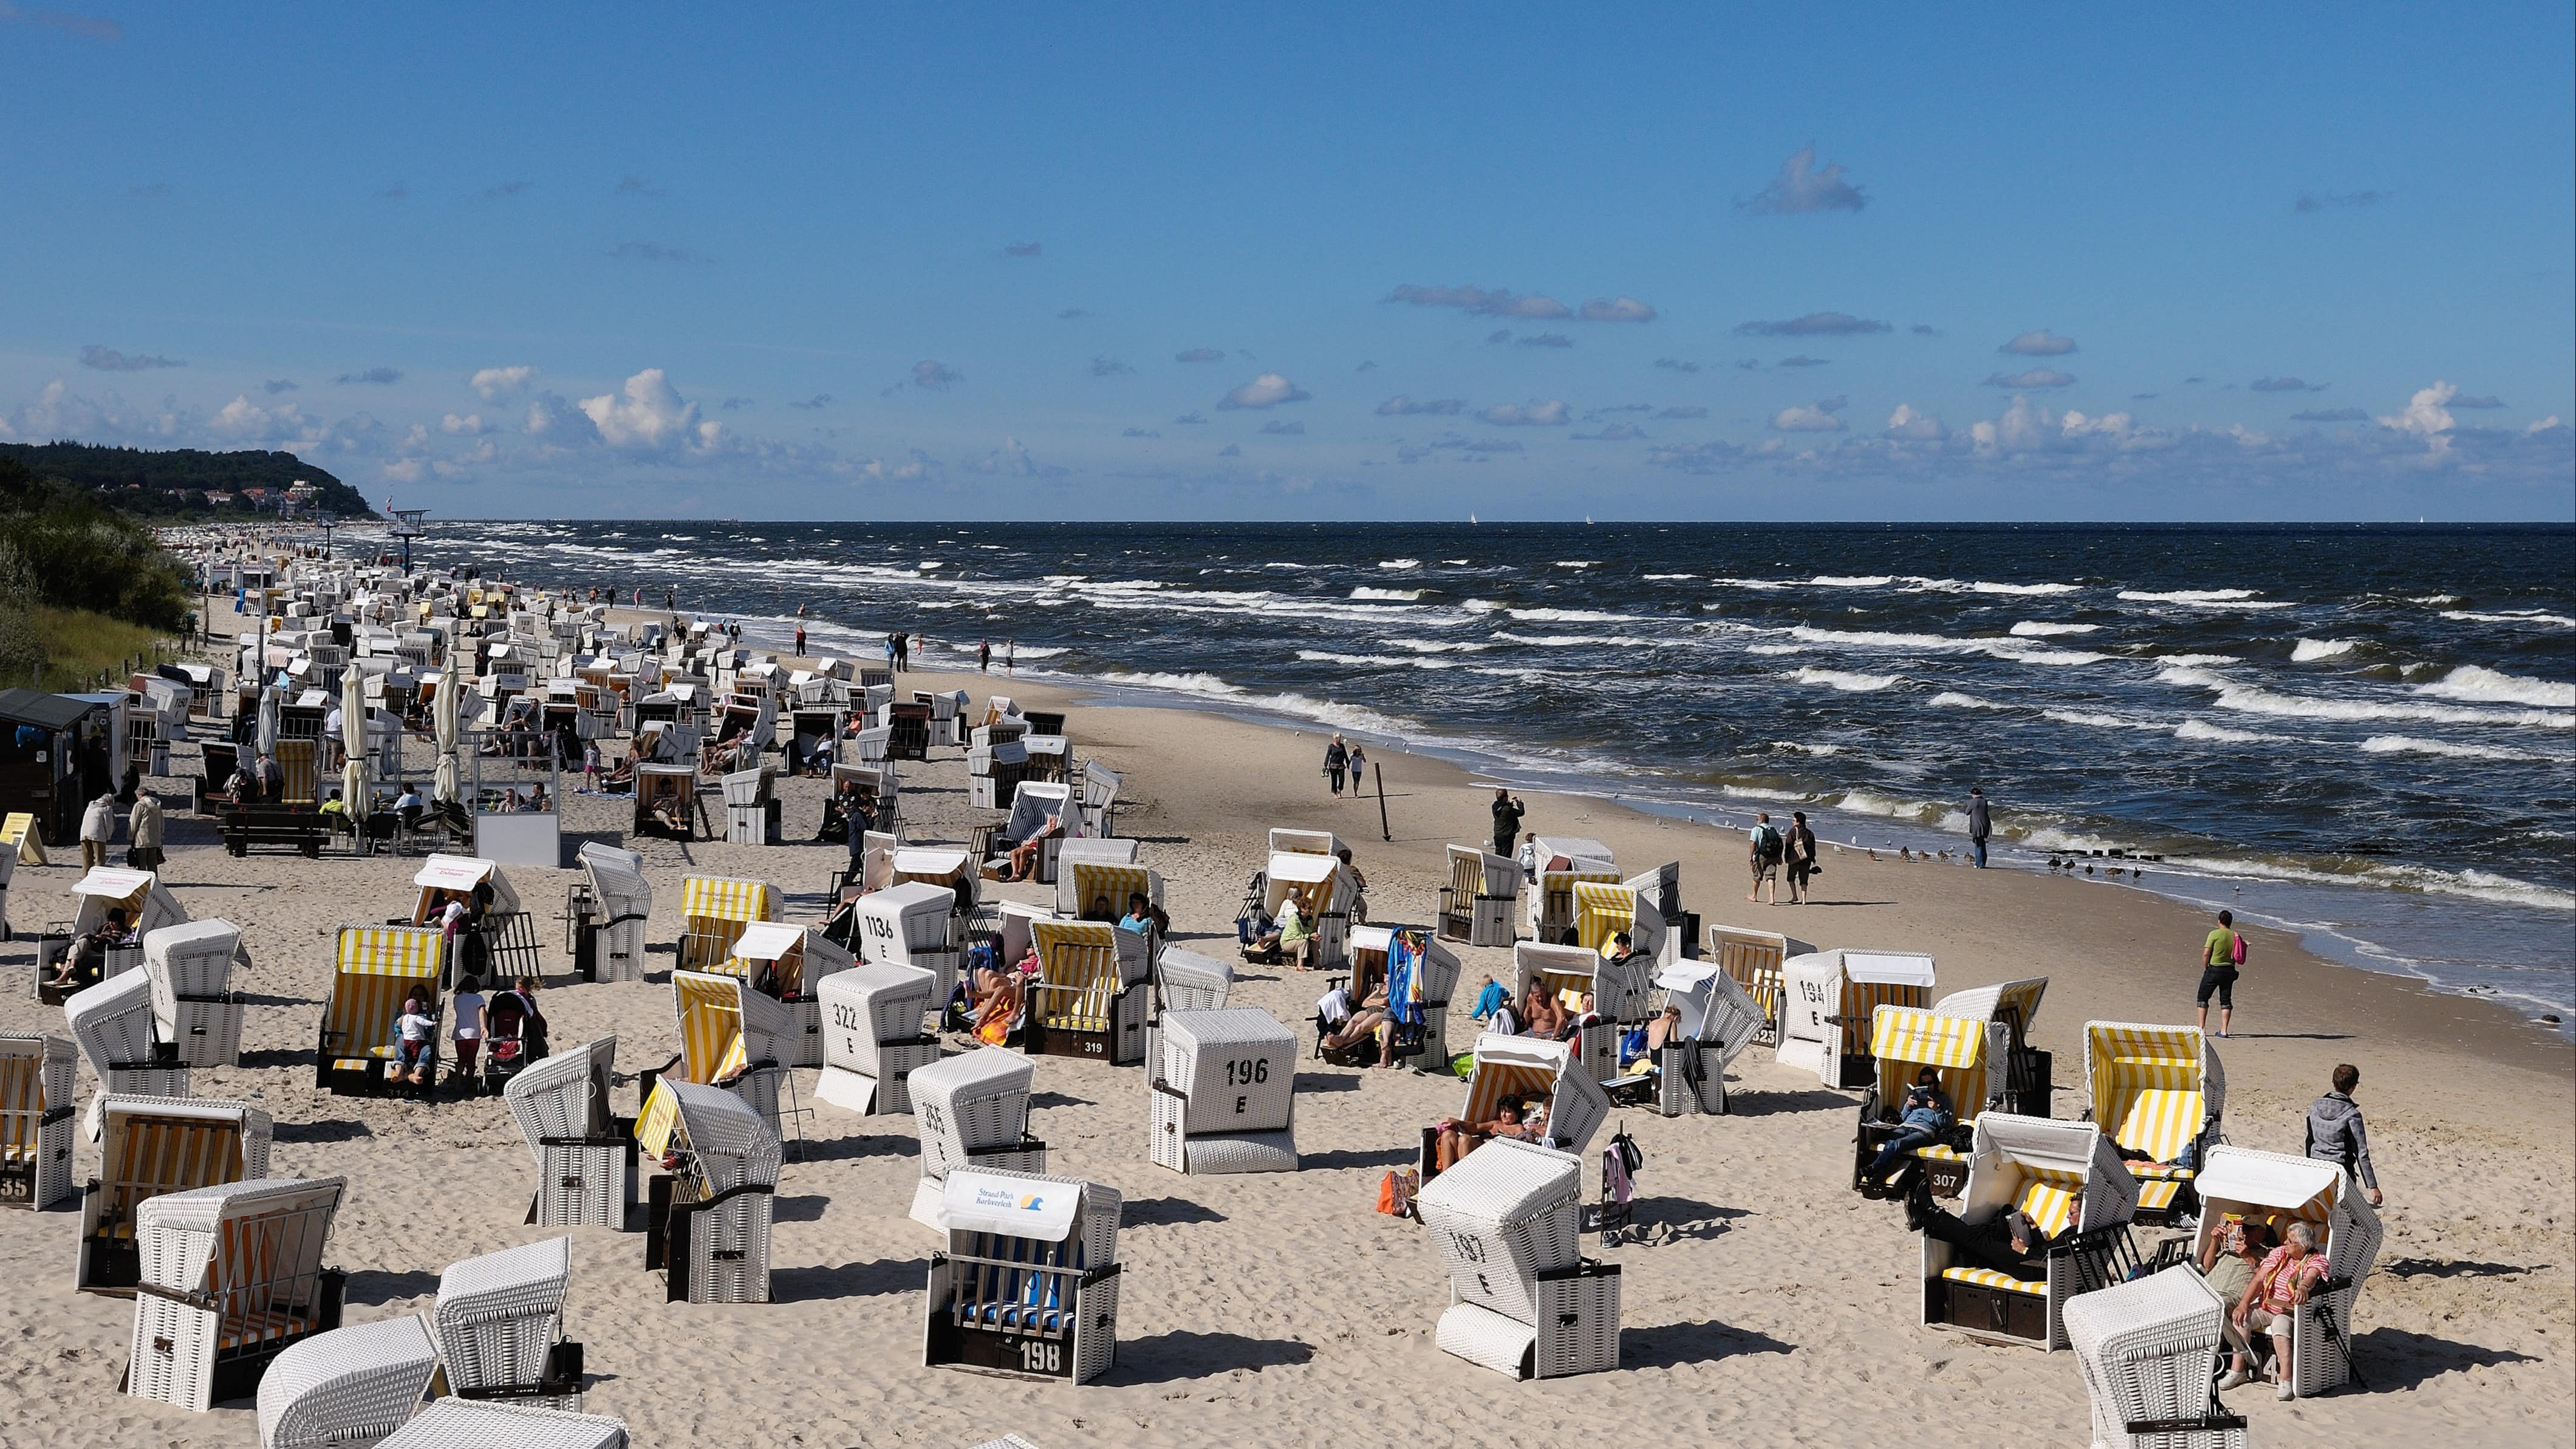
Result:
{"points": [[1662, 1029], [1542, 1015], [1022, 862], [86, 962], [2008, 1243], [624, 774], [1456, 1138], [1367, 1015], [997, 1011], [666, 813]]}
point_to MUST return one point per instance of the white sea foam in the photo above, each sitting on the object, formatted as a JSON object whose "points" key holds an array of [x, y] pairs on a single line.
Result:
{"points": [[2036, 629], [1765, 584], [1375, 661], [1405, 595], [2409, 745], [2203, 730], [1804, 748], [1872, 639], [1572, 616], [1325, 711], [2252, 700], [1982, 587], [1481, 606], [1952, 699], [1570, 641], [2513, 616], [1842, 680], [2195, 659], [1399, 563], [1774, 648], [1669, 576], [2021, 655], [2203, 598], [1853, 581], [2098, 720], [2475, 682], [1577, 563], [1439, 646], [2309, 651]]}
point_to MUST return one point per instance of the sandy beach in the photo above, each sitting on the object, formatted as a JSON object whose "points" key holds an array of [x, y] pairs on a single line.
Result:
{"points": [[1768, 1304]]}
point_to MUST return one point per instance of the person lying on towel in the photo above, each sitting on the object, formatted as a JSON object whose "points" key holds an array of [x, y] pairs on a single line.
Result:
{"points": [[2008, 1243]]}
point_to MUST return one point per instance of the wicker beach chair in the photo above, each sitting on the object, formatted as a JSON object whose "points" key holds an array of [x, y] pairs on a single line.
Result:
{"points": [[2017, 1073], [499, 1320], [1570, 973], [1523, 1299], [193, 1013], [1754, 959], [347, 1386], [713, 912], [1476, 906], [1184, 980], [1099, 801], [1032, 806], [507, 936], [937, 865], [751, 806], [465, 1424], [1602, 910], [617, 880], [1827, 1002], [2146, 1347], [872, 1037], [1225, 1093], [148, 907], [788, 964], [1029, 1281], [2068, 1180], [112, 1024], [149, 1146], [1082, 884], [1419, 979], [971, 1111], [1323, 891], [1903, 1041], [37, 1075], [915, 925], [731, 1037], [1719, 1019], [374, 968], [1547, 912], [1527, 1067], [1008, 1441], [2242, 1181], [1088, 998], [1091, 850], [708, 1213], [2158, 1090], [231, 1277], [585, 1160]]}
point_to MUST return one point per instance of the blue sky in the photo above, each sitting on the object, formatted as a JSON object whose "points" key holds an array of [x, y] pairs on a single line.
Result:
{"points": [[1130, 262]]}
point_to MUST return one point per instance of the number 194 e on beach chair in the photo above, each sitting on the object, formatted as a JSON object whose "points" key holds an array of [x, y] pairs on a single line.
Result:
{"points": [[1029, 1281]]}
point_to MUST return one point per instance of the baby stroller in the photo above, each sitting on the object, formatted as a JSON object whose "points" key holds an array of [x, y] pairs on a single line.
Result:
{"points": [[1252, 921], [510, 1040]]}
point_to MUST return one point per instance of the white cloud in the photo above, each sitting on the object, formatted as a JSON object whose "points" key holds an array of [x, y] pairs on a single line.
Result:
{"points": [[1905, 425], [1800, 187], [1268, 390], [649, 414], [2544, 425], [496, 383], [2042, 343], [405, 470], [2428, 417], [1549, 414], [1816, 419], [470, 425], [1617, 309], [2036, 377], [1401, 406]]}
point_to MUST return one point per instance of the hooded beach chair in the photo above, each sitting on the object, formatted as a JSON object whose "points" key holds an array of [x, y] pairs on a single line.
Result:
{"points": [[913, 924], [1088, 998], [148, 907], [1563, 861], [231, 1277], [194, 1014], [1028, 1283], [1903, 1041], [1035, 804], [509, 937], [1099, 802], [1082, 882], [751, 807], [1420, 972], [2065, 1177], [707, 1216], [1476, 905], [713, 912], [872, 1037], [1605, 910], [2146, 1347], [374, 968], [1527, 1067], [626, 901], [732, 1038], [149, 1146], [499, 1321], [2158, 1090], [111, 1023], [1754, 959], [1719, 1019], [971, 1111], [939, 866], [1567, 974], [467, 1424], [1827, 1004], [1225, 1093], [2017, 1073], [666, 792], [585, 1157], [37, 1075], [788, 964], [1523, 1299], [1323, 892], [2321, 1194], [1185, 980], [346, 1386]]}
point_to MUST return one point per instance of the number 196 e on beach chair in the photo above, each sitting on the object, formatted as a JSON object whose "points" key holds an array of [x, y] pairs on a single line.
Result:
{"points": [[1225, 1093]]}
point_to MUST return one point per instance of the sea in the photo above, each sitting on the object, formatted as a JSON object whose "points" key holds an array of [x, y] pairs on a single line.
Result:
{"points": [[2363, 734]]}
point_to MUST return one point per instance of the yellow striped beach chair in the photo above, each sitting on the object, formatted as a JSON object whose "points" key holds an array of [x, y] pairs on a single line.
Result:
{"points": [[154, 1145], [2067, 1179], [2156, 1090], [1753, 958], [731, 1037], [1085, 1001], [713, 911], [1904, 1040], [374, 968]]}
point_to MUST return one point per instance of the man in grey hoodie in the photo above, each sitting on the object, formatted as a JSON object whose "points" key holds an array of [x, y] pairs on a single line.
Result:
{"points": [[2335, 1132]]}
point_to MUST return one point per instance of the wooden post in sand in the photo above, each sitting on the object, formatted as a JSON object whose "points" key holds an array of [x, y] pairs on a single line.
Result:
{"points": [[1384, 831]]}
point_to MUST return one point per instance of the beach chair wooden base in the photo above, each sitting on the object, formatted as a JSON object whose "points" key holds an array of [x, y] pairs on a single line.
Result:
{"points": [[1989, 1310], [1075, 1343], [584, 1182], [362, 1077], [1119, 1040], [888, 1096], [208, 1030], [1577, 1331]]}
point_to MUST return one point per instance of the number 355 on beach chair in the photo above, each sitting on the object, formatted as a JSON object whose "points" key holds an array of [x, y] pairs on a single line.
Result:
{"points": [[36, 1084], [1029, 1281], [1225, 1093]]}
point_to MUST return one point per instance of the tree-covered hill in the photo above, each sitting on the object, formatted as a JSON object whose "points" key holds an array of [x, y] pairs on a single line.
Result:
{"points": [[176, 481]]}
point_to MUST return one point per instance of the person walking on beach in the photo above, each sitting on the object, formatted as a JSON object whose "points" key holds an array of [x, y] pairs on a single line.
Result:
{"points": [[2221, 953], [1010, 656], [983, 656], [1800, 847], [98, 830], [1508, 811], [1359, 769], [800, 633], [1765, 850], [2335, 1132], [1337, 758], [1981, 823]]}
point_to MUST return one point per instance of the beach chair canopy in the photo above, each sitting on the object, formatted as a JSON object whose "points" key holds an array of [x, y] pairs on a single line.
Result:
{"points": [[795, 958], [1754, 958], [726, 1028], [1318, 882], [977, 1200], [2145, 1347], [149, 1146], [148, 905], [1710, 1001], [563, 1095], [1193, 982], [2243, 1182], [2015, 1003], [1526, 1067], [711, 899], [374, 968], [1602, 911], [444, 875], [1568, 973], [1474, 872], [1851, 984], [902, 920], [1907, 1039], [618, 877], [970, 1103], [1304, 842], [722, 1142], [1033, 804], [112, 1022], [934, 864], [36, 1077], [2062, 1174], [1082, 967], [1574, 852], [2152, 1088], [233, 1243], [1082, 884]]}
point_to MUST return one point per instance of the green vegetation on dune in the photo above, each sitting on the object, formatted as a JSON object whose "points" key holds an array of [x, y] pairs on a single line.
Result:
{"points": [[69, 570], [81, 645]]}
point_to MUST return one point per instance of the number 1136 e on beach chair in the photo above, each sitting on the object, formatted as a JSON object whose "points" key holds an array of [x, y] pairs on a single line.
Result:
{"points": [[1029, 1281]]}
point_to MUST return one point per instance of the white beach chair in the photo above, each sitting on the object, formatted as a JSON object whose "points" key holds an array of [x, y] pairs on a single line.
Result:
{"points": [[1523, 1299], [617, 882], [231, 1276], [750, 807], [466, 1424], [1569, 973], [971, 1111], [1827, 1003], [2321, 1194], [346, 1386], [2017, 1073], [1029, 1282], [1903, 1041], [789, 964], [148, 907], [713, 912], [1324, 892], [585, 1164], [872, 1037], [374, 969], [944, 866], [1719, 1019], [149, 1146], [2158, 1090], [112, 1024], [1099, 802], [911, 923], [732, 1038], [2067, 1179], [1088, 998], [1419, 981], [1225, 1093], [1527, 1067], [37, 1075], [1285, 840], [193, 1011], [1476, 906], [1032, 807], [499, 1320], [1754, 959], [1185, 980], [708, 1214], [2146, 1347], [1086, 870]]}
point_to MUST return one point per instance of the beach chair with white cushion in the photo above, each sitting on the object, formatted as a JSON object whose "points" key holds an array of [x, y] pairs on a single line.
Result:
{"points": [[374, 968], [732, 1038], [1719, 1019], [37, 1075], [346, 1386], [1185, 980], [1523, 1299], [2067, 1179], [467, 1424], [148, 906], [1754, 959], [707, 1217], [2321, 1194], [149, 1146], [1225, 1093], [2017, 1073], [915, 925], [971, 1111], [2158, 1090], [499, 1320], [1323, 891], [112, 1024], [585, 1162], [1567, 974], [1528, 1068], [1419, 972], [1477, 905], [713, 912], [617, 881], [1089, 996], [1828, 1001], [789, 964], [2146, 1347], [194, 1013], [872, 1037], [231, 1277], [1029, 1281], [1903, 1041]]}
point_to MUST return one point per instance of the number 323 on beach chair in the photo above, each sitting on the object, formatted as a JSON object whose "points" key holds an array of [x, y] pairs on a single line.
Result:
{"points": [[1029, 1281]]}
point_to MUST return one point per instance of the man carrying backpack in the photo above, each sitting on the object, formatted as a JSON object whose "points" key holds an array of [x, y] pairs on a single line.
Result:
{"points": [[2221, 953], [1767, 848]]}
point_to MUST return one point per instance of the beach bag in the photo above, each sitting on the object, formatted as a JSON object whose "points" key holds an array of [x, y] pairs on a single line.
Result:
{"points": [[1766, 844], [2236, 952], [1395, 1191]]}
